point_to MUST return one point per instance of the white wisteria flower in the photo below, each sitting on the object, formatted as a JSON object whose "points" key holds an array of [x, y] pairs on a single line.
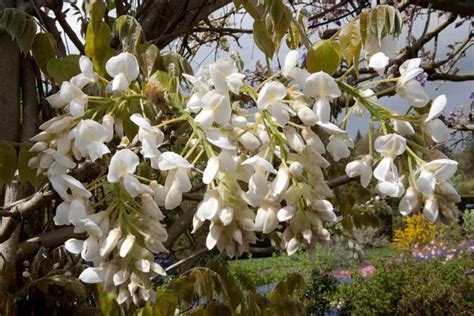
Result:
{"points": [[123, 163], [150, 137], [89, 138], [361, 168], [432, 125], [123, 68], [291, 71], [87, 75], [271, 98], [322, 87], [378, 62], [225, 76], [72, 96], [407, 85], [215, 108], [410, 202], [177, 180], [389, 146], [432, 172]]}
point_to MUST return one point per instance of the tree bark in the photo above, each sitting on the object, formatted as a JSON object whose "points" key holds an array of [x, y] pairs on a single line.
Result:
{"points": [[10, 123]]}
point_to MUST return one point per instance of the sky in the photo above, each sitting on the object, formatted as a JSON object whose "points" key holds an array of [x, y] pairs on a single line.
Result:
{"points": [[457, 93]]}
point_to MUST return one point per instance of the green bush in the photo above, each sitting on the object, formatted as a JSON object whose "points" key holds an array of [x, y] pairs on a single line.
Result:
{"points": [[406, 287], [321, 292]]}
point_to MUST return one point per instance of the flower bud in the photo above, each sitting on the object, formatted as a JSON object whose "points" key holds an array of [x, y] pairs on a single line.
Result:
{"points": [[296, 169]]}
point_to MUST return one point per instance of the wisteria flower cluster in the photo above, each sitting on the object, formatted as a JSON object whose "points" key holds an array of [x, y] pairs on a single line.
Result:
{"points": [[261, 159]]}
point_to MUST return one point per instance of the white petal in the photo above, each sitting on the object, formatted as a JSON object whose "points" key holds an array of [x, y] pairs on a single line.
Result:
{"points": [[211, 170], [110, 241], [120, 277], [431, 209], [426, 183], [259, 162], [92, 275], [173, 198], [120, 83], [226, 215], [125, 63], [286, 213], [217, 138], [271, 92], [97, 150], [439, 132], [437, 107], [409, 202], [281, 182], [213, 236], [56, 101], [74, 245], [442, 168], [321, 85], [291, 60], [170, 160], [383, 169], [235, 81], [127, 245], [123, 162], [205, 118], [378, 61], [413, 92], [209, 207]]}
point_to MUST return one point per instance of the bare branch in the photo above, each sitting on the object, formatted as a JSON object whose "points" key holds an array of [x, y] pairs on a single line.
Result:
{"points": [[50, 240]]}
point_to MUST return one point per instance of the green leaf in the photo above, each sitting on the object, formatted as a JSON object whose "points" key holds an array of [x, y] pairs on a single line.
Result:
{"points": [[281, 16], [166, 303], [180, 64], [98, 38], [20, 26], [324, 56], [129, 31], [351, 42], [63, 69], [149, 58], [43, 49], [26, 173], [263, 38], [8, 162]]}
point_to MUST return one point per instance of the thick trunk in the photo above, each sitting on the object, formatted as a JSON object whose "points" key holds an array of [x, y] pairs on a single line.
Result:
{"points": [[10, 123], [17, 89]]}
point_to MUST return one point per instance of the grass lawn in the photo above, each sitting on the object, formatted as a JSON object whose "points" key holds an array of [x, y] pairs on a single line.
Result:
{"points": [[274, 269]]}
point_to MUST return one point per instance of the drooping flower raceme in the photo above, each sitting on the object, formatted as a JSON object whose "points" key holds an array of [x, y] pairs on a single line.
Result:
{"points": [[256, 160]]}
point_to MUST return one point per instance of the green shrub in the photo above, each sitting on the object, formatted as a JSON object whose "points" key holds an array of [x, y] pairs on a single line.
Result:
{"points": [[468, 222], [321, 291], [406, 287]]}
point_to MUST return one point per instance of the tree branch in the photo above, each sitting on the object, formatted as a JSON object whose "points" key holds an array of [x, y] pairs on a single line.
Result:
{"points": [[50, 240]]}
